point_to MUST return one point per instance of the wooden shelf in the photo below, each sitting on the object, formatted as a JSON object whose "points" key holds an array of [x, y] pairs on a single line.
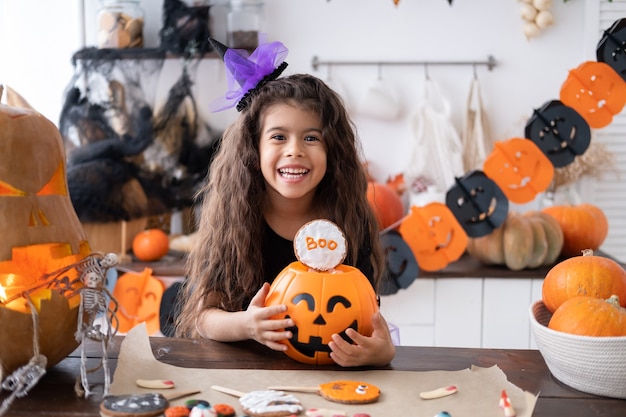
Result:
{"points": [[93, 53]]}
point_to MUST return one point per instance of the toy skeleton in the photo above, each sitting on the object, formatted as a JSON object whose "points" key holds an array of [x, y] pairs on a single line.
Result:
{"points": [[26, 377], [94, 301]]}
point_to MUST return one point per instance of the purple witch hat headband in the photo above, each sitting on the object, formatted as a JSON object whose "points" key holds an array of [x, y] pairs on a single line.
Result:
{"points": [[247, 73]]}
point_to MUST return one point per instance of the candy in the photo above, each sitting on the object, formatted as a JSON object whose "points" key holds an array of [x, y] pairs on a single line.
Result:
{"points": [[505, 404]]}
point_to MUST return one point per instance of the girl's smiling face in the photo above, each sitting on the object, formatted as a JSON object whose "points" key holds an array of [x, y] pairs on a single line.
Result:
{"points": [[292, 151]]}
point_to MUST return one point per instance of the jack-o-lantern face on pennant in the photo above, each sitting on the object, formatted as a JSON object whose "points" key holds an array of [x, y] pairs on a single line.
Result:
{"points": [[322, 304], [478, 204], [612, 47], [559, 131], [139, 297], [520, 169], [402, 267], [595, 91], [434, 235]]}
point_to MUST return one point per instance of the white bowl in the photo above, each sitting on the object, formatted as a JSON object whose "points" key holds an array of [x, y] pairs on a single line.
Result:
{"points": [[595, 365]]}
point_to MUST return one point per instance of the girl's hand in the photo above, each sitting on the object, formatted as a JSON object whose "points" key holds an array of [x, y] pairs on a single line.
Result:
{"points": [[260, 325], [376, 350]]}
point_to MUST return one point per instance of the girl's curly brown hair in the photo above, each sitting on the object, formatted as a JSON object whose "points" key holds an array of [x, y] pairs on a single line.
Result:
{"points": [[225, 265]]}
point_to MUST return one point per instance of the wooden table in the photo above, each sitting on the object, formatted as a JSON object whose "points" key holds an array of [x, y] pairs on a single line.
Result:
{"points": [[54, 394]]}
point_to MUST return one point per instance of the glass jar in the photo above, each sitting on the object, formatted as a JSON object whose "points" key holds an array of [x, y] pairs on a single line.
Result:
{"points": [[244, 22], [120, 24]]}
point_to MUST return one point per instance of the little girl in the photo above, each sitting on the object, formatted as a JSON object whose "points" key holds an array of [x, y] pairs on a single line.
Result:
{"points": [[292, 156]]}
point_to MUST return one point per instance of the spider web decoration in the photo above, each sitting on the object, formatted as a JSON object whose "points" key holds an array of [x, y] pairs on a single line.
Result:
{"points": [[127, 156]]}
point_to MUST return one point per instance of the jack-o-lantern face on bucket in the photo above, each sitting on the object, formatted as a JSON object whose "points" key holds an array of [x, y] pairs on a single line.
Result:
{"points": [[322, 304]]}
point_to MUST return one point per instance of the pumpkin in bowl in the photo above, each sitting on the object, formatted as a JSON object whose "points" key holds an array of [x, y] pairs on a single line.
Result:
{"points": [[588, 274], [528, 240], [590, 316]]}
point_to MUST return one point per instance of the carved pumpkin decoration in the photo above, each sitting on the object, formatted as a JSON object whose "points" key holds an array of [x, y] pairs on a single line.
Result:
{"points": [[478, 203], [595, 91], [590, 316], [520, 169], [434, 235], [589, 275], [401, 266], [321, 298], [386, 203], [41, 234], [559, 131], [139, 297], [610, 49], [584, 226]]}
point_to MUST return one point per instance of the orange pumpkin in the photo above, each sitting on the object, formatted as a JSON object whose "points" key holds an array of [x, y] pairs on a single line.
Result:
{"points": [[590, 316], [151, 245], [386, 203], [322, 304], [584, 227], [41, 234], [590, 275]]}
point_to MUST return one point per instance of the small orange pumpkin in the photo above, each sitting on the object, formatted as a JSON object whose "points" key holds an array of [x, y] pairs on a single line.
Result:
{"points": [[322, 304], [151, 245], [584, 227], [590, 316], [589, 275], [386, 203]]}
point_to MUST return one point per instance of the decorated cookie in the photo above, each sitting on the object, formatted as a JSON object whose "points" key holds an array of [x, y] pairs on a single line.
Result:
{"points": [[134, 405], [177, 411], [350, 392], [320, 245], [270, 403], [155, 383]]}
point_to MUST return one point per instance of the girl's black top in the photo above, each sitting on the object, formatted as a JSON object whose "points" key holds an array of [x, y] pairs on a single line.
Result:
{"points": [[278, 253]]}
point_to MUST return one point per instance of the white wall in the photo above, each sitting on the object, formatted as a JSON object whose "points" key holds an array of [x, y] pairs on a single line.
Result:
{"points": [[37, 40], [37, 47]]}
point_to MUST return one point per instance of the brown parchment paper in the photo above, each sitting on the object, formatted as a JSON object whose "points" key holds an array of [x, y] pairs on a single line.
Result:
{"points": [[478, 393]]}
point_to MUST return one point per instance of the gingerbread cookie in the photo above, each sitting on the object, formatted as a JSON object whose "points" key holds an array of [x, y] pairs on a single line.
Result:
{"points": [[134, 405], [350, 392], [270, 403], [320, 245]]}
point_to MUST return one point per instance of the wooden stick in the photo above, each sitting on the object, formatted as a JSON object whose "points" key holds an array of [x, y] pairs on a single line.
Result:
{"points": [[296, 389], [228, 391], [176, 395]]}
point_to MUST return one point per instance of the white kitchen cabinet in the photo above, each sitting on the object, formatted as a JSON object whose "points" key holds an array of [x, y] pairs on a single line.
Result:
{"points": [[453, 310]]}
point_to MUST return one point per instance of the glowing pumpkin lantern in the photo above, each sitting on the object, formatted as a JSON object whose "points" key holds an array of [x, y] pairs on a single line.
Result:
{"points": [[322, 297], [41, 234]]}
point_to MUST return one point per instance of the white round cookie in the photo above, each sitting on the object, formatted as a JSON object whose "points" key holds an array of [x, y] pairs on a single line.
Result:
{"points": [[320, 245]]}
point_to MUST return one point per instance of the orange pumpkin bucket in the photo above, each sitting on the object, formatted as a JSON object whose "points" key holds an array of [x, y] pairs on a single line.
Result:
{"points": [[322, 295]]}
